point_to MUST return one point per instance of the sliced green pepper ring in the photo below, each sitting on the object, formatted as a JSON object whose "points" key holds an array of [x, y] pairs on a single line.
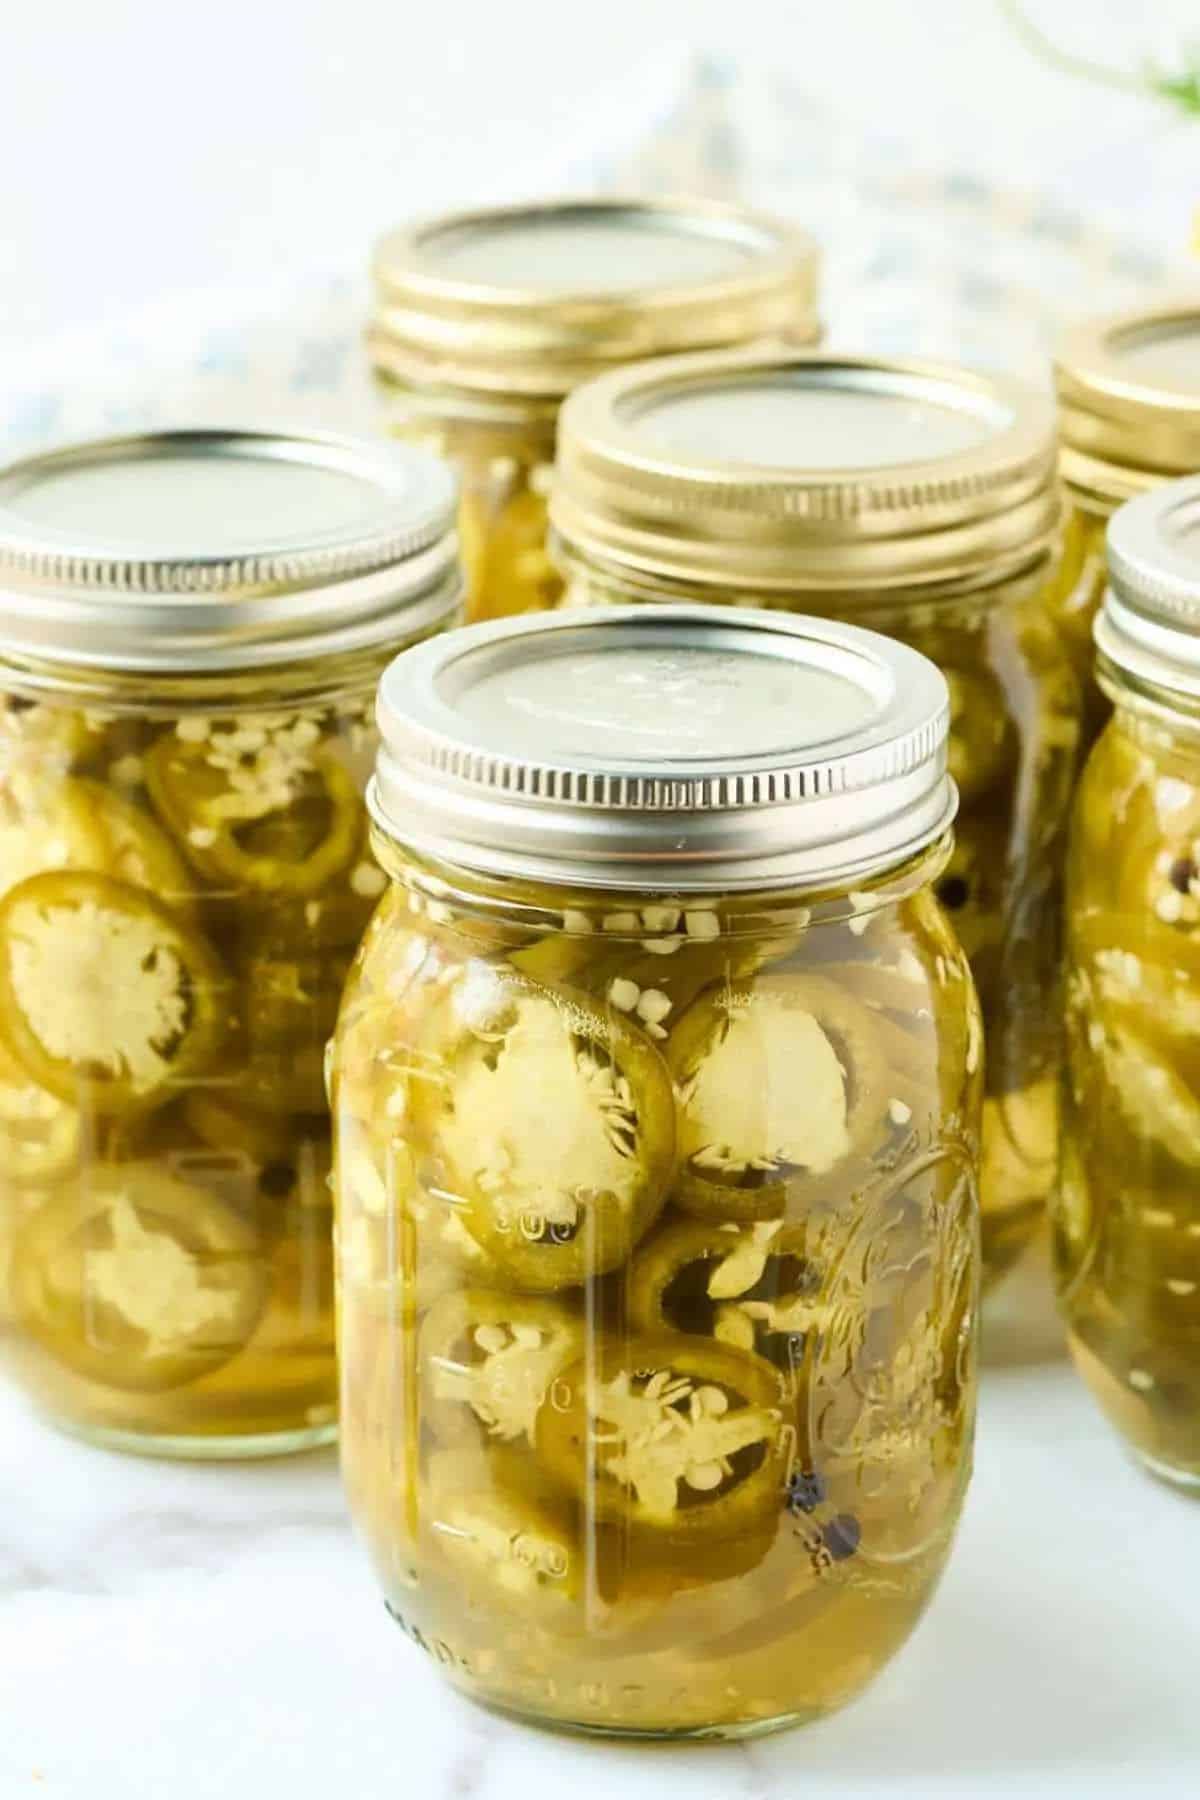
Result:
{"points": [[41, 1138], [675, 1437], [53, 738], [136, 849], [1134, 952], [1138, 971], [653, 976], [393, 991], [488, 1360], [289, 1010], [1137, 859], [505, 556], [334, 919], [561, 956], [1158, 875], [224, 1121], [1073, 1218], [752, 1141], [491, 1529], [1126, 941], [923, 1057], [754, 1286], [982, 747], [903, 987], [47, 825], [636, 1573], [257, 808], [138, 1280], [104, 994], [551, 1126], [1078, 585], [1020, 1141], [396, 1239], [1156, 1103], [923, 1046]]}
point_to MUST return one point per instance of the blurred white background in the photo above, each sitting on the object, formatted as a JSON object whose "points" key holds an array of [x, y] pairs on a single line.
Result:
{"points": [[149, 148]]}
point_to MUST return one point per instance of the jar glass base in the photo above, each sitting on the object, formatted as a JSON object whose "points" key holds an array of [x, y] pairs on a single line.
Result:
{"points": [[736, 1732], [1187, 1481], [186, 1448]]}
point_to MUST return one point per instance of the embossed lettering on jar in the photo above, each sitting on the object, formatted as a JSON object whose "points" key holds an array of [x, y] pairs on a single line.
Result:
{"points": [[484, 321], [1127, 1221], [920, 500], [191, 628], [656, 1094], [1129, 405]]}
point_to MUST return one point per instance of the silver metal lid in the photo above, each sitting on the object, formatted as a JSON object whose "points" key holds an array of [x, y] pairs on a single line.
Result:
{"points": [[200, 550], [528, 300], [1149, 627], [1129, 399], [806, 473], [679, 747]]}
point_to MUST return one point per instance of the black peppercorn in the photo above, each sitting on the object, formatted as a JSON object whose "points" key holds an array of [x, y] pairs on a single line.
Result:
{"points": [[842, 1536], [805, 1491]]}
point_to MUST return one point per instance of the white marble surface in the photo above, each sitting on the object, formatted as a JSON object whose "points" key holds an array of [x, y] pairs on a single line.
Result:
{"points": [[173, 1632]]}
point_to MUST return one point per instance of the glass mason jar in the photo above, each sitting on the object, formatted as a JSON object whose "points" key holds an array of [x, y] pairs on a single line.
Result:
{"points": [[1127, 1221], [920, 500], [191, 628], [655, 1092], [484, 321], [1129, 404]]}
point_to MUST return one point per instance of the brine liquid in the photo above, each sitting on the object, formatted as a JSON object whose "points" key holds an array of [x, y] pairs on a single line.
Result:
{"points": [[657, 1255]]}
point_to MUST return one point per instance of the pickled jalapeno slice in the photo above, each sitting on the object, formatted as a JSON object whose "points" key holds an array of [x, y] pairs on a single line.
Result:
{"points": [[289, 1010], [488, 1361], [1138, 971], [504, 552], [103, 990], [41, 1138], [498, 1535], [982, 744], [257, 803], [43, 740], [1073, 1217], [139, 1280], [46, 824], [396, 1231], [136, 849], [1078, 586], [1133, 956], [751, 1286], [650, 962], [225, 1122], [1160, 880], [1117, 818], [1019, 1139], [1153, 1098], [551, 1129], [902, 985], [749, 1141], [334, 919], [674, 1437]]}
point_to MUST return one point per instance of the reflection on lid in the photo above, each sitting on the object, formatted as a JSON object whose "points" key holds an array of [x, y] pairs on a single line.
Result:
{"points": [[590, 250], [821, 421]]}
